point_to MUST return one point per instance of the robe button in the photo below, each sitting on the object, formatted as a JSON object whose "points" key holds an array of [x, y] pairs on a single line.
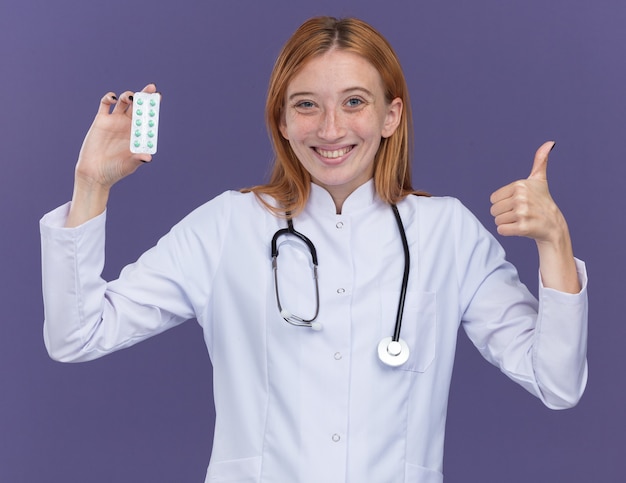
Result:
{"points": [[341, 290], [338, 356], [339, 225], [336, 438]]}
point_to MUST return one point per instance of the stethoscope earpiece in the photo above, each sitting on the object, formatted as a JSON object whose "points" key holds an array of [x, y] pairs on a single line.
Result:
{"points": [[393, 353]]}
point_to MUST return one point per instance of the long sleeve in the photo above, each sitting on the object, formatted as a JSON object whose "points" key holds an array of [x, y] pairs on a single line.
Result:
{"points": [[87, 317], [539, 344], [72, 261]]}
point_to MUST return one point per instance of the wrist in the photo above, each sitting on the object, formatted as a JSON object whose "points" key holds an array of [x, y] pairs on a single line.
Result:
{"points": [[556, 264], [88, 201]]}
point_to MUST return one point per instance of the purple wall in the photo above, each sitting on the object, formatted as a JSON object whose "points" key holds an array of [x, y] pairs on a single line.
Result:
{"points": [[490, 81]]}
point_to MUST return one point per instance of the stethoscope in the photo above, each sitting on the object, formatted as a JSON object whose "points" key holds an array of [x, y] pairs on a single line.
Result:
{"points": [[393, 351]]}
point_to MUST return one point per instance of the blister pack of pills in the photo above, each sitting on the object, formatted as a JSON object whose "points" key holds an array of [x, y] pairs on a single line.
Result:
{"points": [[144, 131]]}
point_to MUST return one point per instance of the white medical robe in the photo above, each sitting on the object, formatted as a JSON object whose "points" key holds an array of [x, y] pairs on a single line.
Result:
{"points": [[296, 405]]}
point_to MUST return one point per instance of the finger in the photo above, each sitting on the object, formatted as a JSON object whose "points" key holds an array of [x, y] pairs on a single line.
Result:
{"points": [[540, 163], [144, 158], [503, 193], [125, 101], [150, 88], [502, 206], [508, 218], [106, 102], [510, 229]]}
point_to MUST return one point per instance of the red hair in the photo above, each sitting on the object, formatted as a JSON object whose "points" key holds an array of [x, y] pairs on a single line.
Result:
{"points": [[289, 183]]}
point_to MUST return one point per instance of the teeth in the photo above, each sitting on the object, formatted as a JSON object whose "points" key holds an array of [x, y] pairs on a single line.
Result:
{"points": [[337, 153]]}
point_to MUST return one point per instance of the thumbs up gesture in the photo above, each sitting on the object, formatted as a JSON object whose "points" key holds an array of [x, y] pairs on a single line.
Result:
{"points": [[525, 207]]}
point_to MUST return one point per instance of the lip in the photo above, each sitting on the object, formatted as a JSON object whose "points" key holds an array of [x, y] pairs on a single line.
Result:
{"points": [[332, 155]]}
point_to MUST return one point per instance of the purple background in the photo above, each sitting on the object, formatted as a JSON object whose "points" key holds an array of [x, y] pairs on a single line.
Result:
{"points": [[490, 81]]}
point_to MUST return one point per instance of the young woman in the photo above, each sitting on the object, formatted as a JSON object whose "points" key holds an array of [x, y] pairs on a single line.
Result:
{"points": [[342, 375]]}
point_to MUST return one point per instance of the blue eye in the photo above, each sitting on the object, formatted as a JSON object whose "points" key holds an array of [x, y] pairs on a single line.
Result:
{"points": [[354, 102], [305, 104]]}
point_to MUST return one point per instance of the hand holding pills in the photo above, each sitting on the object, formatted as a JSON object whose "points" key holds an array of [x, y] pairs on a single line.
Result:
{"points": [[122, 137]]}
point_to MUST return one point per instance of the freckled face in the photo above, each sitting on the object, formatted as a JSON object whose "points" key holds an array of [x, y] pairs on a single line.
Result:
{"points": [[335, 115]]}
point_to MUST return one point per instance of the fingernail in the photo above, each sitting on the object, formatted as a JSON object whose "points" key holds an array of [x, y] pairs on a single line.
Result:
{"points": [[131, 97], [114, 98], [553, 146]]}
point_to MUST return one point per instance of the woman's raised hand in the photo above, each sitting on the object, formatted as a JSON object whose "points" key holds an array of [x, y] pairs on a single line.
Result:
{"points": [[105, 157], [526, 208]]}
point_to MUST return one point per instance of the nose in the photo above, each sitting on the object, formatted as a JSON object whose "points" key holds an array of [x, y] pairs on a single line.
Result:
{"points": [[331, 125]]}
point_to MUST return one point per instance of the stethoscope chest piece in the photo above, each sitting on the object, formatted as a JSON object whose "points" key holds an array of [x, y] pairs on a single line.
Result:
{"points": [[393, 353]]}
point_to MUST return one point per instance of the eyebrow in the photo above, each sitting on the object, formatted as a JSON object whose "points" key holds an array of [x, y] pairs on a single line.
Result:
{"points": [[345, 91]]}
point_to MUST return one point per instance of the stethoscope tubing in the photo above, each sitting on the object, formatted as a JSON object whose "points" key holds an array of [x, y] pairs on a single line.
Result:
{"points": [[392, 351], [289, 317], [290, 230], [405, 277]]}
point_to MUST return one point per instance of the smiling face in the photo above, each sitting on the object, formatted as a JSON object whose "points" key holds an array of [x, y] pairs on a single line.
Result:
{"points": [[335, 115]]}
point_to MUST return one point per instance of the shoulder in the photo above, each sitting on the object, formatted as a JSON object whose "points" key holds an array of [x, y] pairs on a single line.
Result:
{"points": [[443, 216], [434, 207], [220, 210], [226, 202]]}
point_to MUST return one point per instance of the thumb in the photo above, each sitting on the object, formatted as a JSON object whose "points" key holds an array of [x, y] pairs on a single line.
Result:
{"points": [[540, 163]]}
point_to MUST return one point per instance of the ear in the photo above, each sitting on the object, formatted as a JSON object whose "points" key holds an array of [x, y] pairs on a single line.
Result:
{"points": [[282, 125], [393, 117]]}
